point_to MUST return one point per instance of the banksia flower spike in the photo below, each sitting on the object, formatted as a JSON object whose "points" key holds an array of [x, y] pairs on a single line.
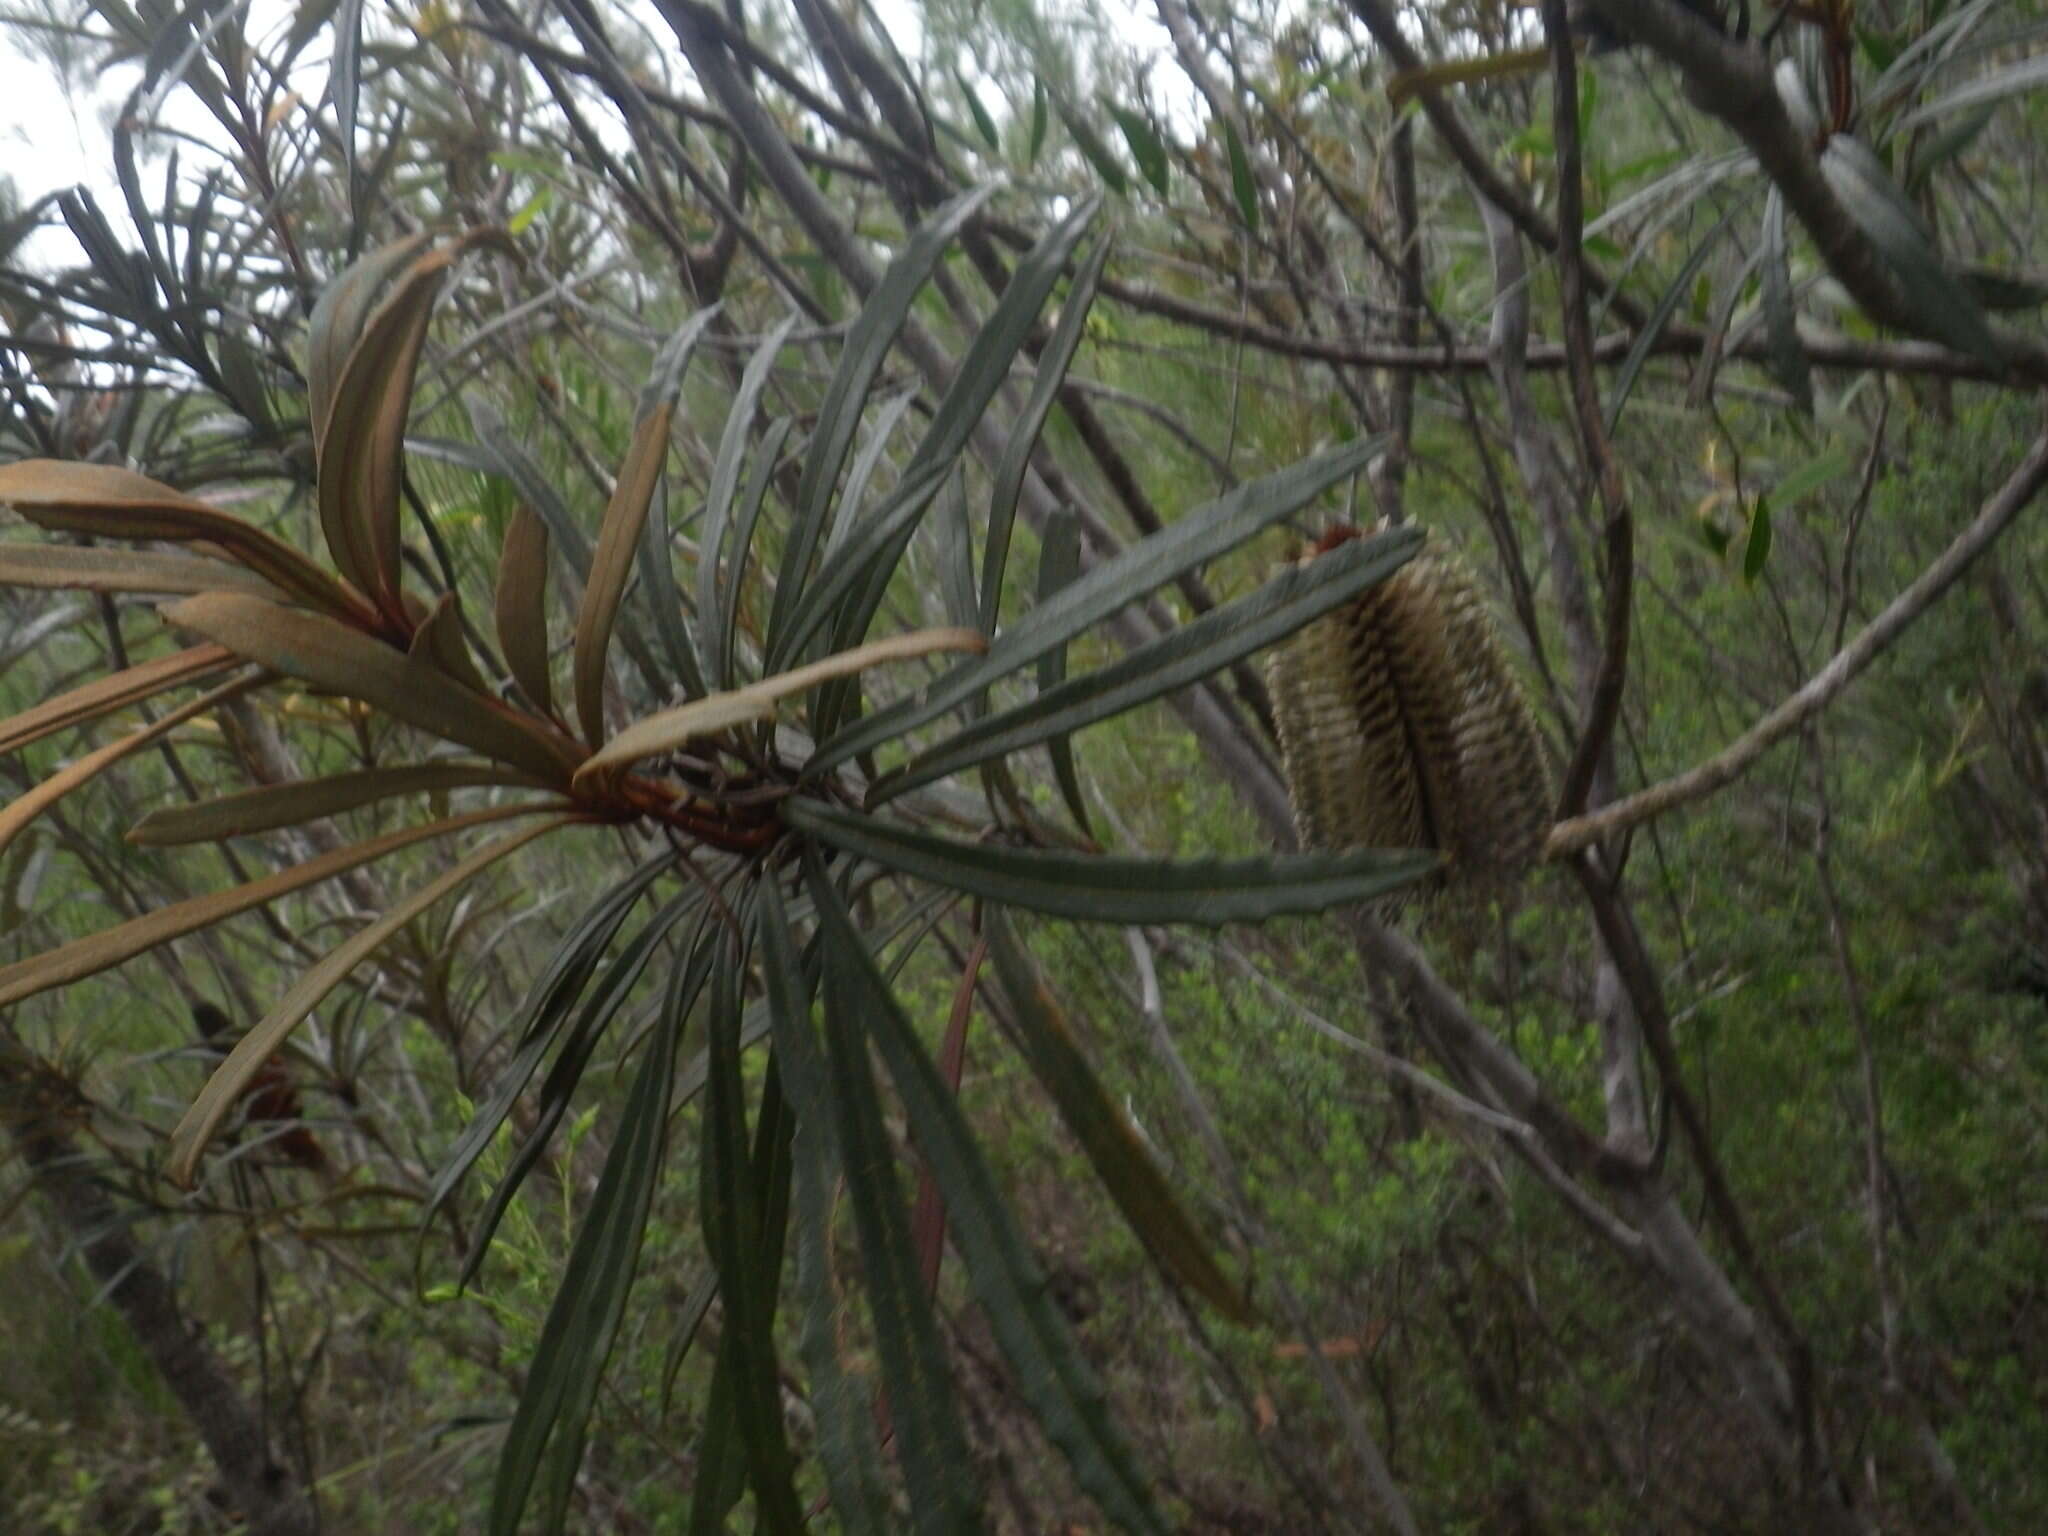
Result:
{"points": [[1402, 725]]}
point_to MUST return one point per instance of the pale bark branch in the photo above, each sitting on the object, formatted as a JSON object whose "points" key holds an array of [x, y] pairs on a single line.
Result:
{"points": [[1728, 765]]}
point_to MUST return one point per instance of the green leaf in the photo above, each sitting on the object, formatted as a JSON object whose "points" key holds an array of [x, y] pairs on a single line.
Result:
{"points": [[1659, 317], [1243, 186], [937, 1467], [1111, 889], [1196, 650], [983, 123], [955, 539], [2028, 74], [558, 1089], [540, 1018], [718, 601], [1146, 147], [1008, 482], [1121, 1157], [1931, 153], [1200, 535], [1059, 562], [1811, 476], [1758, 549], [1093, 150], [1788, 363], [879, 540], [1942, 305], [1051, 1375], [1998, 289], [576, 1339], [846, 1439], [867, 347], [729, 1203]]}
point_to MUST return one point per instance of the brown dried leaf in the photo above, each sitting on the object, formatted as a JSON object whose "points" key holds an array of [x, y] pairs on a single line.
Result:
{"points": [[270, 806], [612, 563], [362, 443], [31, 803], [114, 503], [521, 610], [329, 655], [107, 694], [439, 643], [84, 569], [672, 728], [202, 1119], [102, 951]]}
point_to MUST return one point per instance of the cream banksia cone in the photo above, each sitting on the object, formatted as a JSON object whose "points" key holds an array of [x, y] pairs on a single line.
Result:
{"points": [[1403, 726]]}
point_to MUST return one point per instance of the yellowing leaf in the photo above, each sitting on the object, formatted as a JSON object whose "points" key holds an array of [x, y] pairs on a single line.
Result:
{"points": [[673, 728], [202, 1119]]}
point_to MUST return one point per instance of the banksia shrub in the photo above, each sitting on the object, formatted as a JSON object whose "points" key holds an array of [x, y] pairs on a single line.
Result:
{"points": [[1403, 726]]}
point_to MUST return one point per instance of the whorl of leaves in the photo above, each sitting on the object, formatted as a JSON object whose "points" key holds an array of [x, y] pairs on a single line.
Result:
{"points": [[1402, 725]]}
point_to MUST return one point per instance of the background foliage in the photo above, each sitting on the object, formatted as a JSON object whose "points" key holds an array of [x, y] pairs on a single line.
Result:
{"points": [[1693, 1185]]}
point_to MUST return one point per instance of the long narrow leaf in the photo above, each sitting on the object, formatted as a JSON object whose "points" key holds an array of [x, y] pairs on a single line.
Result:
{"points": [[914, 1371], [540, 1015], [87, 569], [558, 1090], [201, 1121], [619, 536], [846, 1440], [331, 655], [712, 607], [1050, 1372], [1115, 889], [867, 347], [1059, 563], [1199, 536], [117, 690], [520, 608], [576, 1339], [1667, 305], [270, 806], [673, 728], [1942, 305], [1008, 482], [18, 813], [361, 442], [1787, 354], [878, 543], [1218, 638], [110, 502], [337, 320], [1120, 1156], [101, 951]]}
